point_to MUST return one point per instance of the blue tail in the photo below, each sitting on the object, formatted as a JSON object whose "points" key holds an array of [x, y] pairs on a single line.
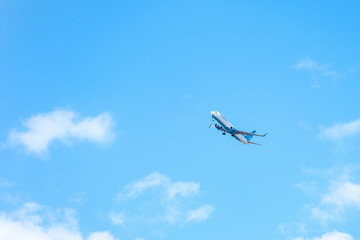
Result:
{"points": [[248, 137]]}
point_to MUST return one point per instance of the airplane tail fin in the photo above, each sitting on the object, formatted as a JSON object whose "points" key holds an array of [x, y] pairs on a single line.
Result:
{"points": [[248, 137]]}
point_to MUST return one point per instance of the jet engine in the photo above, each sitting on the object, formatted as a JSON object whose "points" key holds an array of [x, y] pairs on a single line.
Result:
{"points": [[217, 126], [232, 130]]}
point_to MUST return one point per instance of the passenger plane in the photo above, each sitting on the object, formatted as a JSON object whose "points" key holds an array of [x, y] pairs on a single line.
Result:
{"points": [[226, 127]]}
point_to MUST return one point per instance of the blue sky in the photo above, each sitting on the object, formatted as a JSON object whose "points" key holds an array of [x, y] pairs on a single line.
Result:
{"points": [[105, 108]]}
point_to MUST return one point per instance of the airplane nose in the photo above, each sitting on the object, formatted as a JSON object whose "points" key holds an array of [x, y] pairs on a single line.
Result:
{"points": [[213, 112]]}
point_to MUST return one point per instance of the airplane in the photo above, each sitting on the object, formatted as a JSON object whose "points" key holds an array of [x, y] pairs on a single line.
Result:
{"points": [[226, 127]]}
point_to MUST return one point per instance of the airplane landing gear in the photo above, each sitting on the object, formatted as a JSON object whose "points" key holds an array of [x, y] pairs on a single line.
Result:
{"points": [[223, 133]]}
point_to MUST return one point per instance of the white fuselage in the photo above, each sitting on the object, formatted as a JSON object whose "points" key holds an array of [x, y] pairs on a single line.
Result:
{"points": [[228, 127]]}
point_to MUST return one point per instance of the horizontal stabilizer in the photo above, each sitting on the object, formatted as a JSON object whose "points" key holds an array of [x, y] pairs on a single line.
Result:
{"points": [[254, 143]]}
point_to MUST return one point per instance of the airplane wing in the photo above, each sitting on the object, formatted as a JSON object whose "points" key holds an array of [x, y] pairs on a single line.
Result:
{"points": [[254, 143], [248, 133]]}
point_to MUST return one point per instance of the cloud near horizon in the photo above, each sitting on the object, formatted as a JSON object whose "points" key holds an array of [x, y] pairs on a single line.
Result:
{"points": [[63, 125], [33, 222], [334, 235], [343, 196], [338, 201]]}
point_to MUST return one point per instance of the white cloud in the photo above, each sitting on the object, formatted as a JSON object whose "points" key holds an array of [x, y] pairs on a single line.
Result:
{"points": [[172, 213], [334, 235], [338, 202], [306, 64], [314, 67], [325, 215], [155, 180], [200, 214], [166, 200], [101, 236], [117, 218], [341, 130], [34, 222], [63, 125], [342, 195], [183, 189], [310, 188]]}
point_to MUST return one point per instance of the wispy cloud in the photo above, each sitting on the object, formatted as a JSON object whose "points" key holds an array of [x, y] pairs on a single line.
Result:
{"points": [[5, 183], [342, 197], [101, 236], [7, 193], [310, 65], [310, 188], [340, 130], [317, 70], [117, 218], [337, 197], [200, 214], [64, 125], [33, 221], [173, 202], [157, 180], [334, 235]]}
